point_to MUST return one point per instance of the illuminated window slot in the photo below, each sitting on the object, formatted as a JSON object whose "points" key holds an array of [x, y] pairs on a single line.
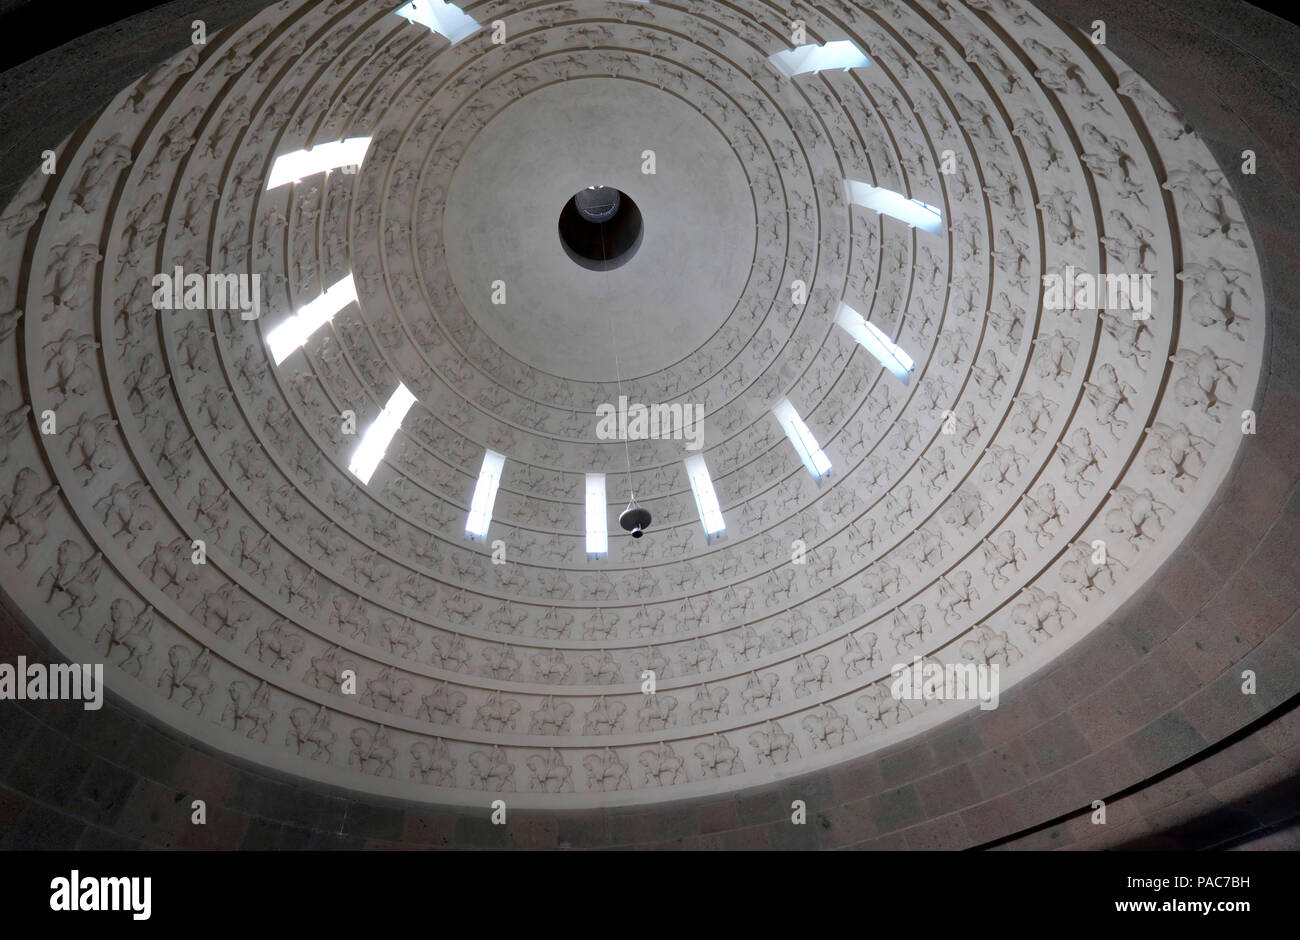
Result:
{"points": [[295, 331], [891, 356], [292, 167], [597, 515], [446, 19], [374, 443], [810, 452], [840, 54], [911, 211], [706, 500], [485, 495]]}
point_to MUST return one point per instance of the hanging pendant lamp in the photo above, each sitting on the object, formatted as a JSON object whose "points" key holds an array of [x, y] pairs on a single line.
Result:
{"points": [[635, 519]]}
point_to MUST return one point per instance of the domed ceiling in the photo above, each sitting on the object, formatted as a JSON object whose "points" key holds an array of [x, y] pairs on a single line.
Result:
{"points": [[962, 515]]}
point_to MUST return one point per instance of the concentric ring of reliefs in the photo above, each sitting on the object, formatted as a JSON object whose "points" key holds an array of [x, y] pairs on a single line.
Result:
{"points": [[961, 520]]}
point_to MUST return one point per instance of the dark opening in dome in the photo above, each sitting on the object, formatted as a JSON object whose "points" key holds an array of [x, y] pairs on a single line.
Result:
{"points": [[600, 228]]}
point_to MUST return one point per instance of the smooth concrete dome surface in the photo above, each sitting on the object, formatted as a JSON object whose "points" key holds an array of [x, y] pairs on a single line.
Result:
{"points": [[1039, 465], [686, 278]]}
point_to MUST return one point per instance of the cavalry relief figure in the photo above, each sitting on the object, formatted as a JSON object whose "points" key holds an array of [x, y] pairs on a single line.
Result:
{"points": [[1216, 295], [1085, 572], [549, 773], [606, 772], [1080, 456], [432, 763], [1136, 514], [656, 712], [251, 705], [661, 766], [760, 691], [1174, 452], [718, 758], [1001, 553], [774, 745], [496, 714], [372, 752], [828, 728], [27, 508], [1044, 616], [987, 647], [311, 728], [442, 706], [910, 627], [1205, 382], [551, 717], [881, 708], [188, 671], [954, 592], [72, 576], [855, 655], [130, 631]]}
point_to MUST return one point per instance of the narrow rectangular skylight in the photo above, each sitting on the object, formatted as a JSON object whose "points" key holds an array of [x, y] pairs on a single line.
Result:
{"points": [[810, 452], [300, 164], [891, 356], [379, 435], [597, 515], [445, 18], [840, 54], [485, 495], [293, 332], [706, 501], [912, 211]]}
